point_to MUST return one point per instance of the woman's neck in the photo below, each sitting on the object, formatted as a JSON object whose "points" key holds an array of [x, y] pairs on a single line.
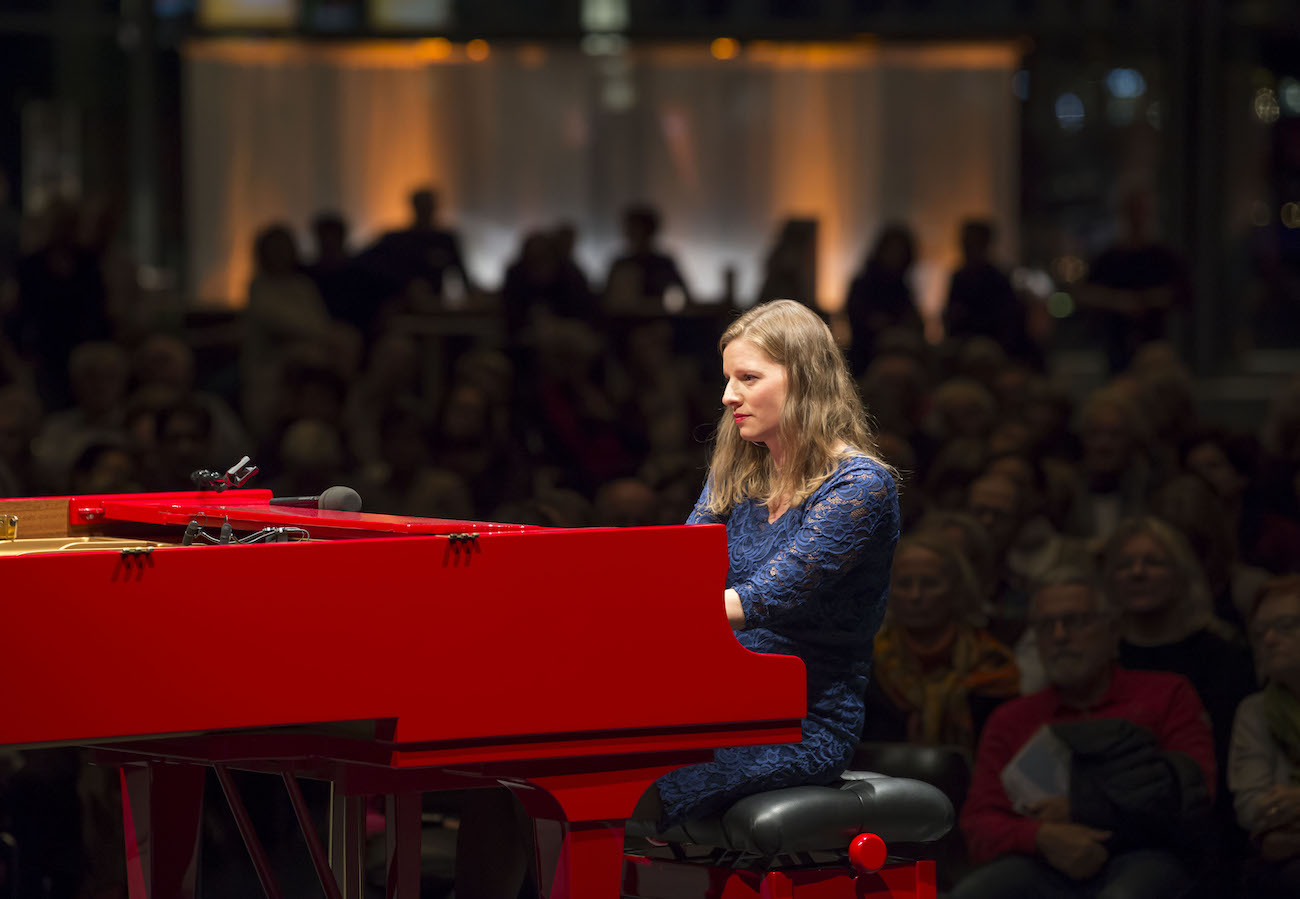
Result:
{"points": [[1289, 682], [929, 641], [778, 454], [1159, 628]]}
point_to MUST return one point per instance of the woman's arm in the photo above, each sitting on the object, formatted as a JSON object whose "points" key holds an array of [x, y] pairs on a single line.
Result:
{"points": [[1251, 762], [855, 512]]}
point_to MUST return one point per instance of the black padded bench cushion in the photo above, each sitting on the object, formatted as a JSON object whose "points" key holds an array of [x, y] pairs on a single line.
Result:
{"points": [[822, 819]]}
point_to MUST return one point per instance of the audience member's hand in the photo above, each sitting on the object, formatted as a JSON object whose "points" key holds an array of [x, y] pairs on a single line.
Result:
{"points": [[1281, 808], [1055, 810], [1280, 845], [1076, 851]]}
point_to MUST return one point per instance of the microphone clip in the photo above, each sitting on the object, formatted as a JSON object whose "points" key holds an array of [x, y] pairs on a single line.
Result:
{"points": [[236, 476]]}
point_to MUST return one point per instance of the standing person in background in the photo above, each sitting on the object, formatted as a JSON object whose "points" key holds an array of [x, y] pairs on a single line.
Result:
{"points": [[1134, 285], [285, 313], [638, 279], [425, 250], [981, 301], [880, 295]]}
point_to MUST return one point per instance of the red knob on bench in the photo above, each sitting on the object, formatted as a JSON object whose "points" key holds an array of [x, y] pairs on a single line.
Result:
{"points": [[867, 853]]}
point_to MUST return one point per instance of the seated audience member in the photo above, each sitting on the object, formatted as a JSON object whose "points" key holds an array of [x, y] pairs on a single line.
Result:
{"points": [[968, 537], [937, 673], [1001, 507], [1228, 465], [1156, 585], [20, 420], [98, 374], [962, 408], [1114, 463], [1264, 762], [164, 367], [1191, 506], [1138, 781]]}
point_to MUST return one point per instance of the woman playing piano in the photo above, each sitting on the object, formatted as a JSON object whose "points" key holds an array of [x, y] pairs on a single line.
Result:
{"points": [[812, 518]]}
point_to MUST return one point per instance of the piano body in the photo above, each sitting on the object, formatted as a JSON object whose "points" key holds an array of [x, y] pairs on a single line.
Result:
{"points": [[386, 655]]}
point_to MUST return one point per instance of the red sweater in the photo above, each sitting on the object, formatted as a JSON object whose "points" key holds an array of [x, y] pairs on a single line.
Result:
{"points": [[1164, 704]]}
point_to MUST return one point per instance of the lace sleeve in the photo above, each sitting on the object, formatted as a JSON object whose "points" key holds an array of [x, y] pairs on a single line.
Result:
{"points": [[701, 514], [853, 520]]}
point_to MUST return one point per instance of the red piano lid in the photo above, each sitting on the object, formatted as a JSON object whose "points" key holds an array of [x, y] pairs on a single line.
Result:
{"points": [[251, 510]]}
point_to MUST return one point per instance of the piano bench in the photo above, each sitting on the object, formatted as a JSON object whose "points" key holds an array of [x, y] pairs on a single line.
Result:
{"points": [[856, 839]]}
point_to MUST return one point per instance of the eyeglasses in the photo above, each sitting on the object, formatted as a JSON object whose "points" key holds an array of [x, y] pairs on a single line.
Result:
{"points": [[1285, 626], [1071, 623]]}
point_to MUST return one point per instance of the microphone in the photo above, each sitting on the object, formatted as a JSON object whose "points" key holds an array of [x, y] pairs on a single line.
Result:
{"points": [[333, 499]]}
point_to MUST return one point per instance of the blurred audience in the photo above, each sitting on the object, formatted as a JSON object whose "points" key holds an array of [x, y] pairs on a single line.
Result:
{"points": [[937, 674], [1113, 769], [549, 403], [1264, 763]]}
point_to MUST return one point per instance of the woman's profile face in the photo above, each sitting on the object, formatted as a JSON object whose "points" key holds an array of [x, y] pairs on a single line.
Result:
{"points": [[919, 590], [1144, 578], [755, 391]]}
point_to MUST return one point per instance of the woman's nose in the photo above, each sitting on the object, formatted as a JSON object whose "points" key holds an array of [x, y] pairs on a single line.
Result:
{"points": [[729, 397]]}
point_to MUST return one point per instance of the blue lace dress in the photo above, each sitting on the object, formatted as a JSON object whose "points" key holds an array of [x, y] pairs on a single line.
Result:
{"points": [[814, 584]]}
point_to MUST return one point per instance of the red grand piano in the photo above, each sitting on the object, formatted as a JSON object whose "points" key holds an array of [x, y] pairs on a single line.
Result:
{"points": [[384, 655], [392, 656]]}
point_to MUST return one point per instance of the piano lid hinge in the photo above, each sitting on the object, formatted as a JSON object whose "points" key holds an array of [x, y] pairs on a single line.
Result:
{"points": [[9, 527], [462, 538]]}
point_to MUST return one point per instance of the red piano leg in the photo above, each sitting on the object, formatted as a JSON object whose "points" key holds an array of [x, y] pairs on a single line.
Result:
{"points": [[579, 827], [402, 838], [162, 807]]}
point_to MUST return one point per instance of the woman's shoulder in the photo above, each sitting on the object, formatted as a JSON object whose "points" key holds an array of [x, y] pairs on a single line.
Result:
{"points": [[857, 469]]}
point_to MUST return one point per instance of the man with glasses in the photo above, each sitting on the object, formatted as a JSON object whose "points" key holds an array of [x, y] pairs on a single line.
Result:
{"points": [[1140, 750]]}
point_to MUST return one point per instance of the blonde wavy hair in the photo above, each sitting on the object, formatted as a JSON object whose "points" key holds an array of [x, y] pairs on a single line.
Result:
{"points": [[1194, 589], [822, 421]]}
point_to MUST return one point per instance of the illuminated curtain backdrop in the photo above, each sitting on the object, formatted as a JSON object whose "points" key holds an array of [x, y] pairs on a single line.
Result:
{"points": [[852, 135]]}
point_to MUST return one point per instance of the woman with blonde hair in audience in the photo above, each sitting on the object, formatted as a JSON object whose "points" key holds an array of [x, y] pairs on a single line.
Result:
{"points": [[1264, 761], [938, 673], [1152, 578]]}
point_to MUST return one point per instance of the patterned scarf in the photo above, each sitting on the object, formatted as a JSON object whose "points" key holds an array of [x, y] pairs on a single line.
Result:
{"points": [[1282, 712], [936, 683]]}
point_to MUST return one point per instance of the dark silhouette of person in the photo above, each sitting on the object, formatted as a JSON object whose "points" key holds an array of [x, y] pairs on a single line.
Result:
{"points": [[333, 274], [540, 278], [61, 303], [1134, 285], [790, 270], [640, 277], [880, 297], [424, 250], [981, 301]]}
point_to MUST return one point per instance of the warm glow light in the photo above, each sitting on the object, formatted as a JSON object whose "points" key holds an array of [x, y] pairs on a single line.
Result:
{"points": [[532, 56], [1291, 215], [724, 48], [1069, 268], [433, 48], [478, 50]]}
